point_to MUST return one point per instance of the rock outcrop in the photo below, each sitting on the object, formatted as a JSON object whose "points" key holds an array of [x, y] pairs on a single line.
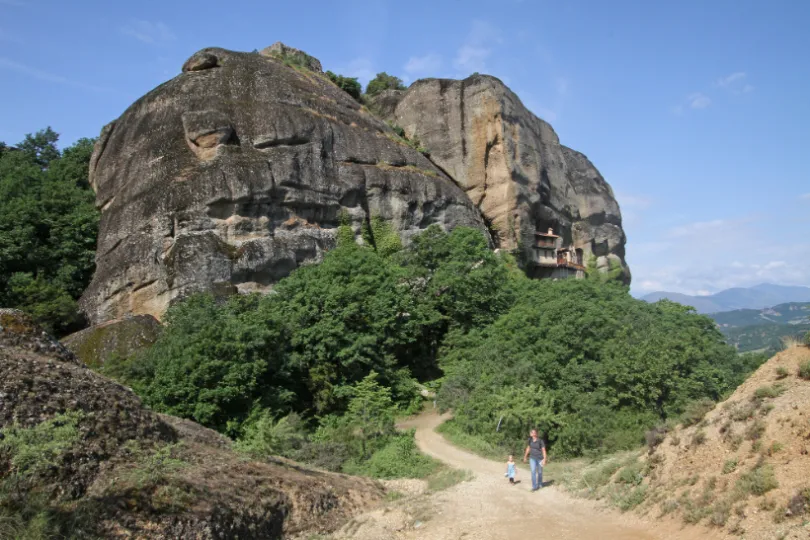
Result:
{"points": [[114, 469], [120, 338], [512, 166], [239, 170]]}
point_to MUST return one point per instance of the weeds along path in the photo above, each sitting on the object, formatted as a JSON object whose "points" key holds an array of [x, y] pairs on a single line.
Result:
{"points": [[489, 508]]}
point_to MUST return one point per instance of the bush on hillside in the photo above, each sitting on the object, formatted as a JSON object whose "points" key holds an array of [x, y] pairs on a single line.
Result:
{"points": [[383, 81], [350, 85]]}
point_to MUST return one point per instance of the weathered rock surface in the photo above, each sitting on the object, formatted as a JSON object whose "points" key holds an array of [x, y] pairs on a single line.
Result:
{"points": [[237, 171], [109, 481], [512, 165], [121, 338]]}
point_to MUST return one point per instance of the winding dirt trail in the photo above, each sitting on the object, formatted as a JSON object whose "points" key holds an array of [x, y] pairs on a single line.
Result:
{"points": [[488, 507]]}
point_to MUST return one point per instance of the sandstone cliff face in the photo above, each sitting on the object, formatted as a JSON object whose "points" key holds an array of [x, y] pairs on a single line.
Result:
{"points": [[236, 172], [512, 165]]}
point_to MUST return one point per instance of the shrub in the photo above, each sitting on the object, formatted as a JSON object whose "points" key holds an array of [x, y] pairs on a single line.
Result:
{"points": [[383, 81], [695, 411], [37, 449], [769, 392], [800, 503], [628, 498], [699, 437], [775, 447], [804, 370], [632, 474], [730, 466], [350, 85], [758, 481], [744, 411], [601, 474], [781, 372], [720, 514], [398, 459], [755, 430], [655, 436]]}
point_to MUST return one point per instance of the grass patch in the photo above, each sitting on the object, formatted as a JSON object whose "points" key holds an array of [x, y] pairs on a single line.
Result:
{"points": [[154, 466], [782, 372], [601, 474], [447, 478], [730, 466], [769, 392], [744, 411], [453, 433], [698, 438], [626, 498]]}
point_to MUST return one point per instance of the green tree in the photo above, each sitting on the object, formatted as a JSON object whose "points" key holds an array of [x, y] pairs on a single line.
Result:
{"points": [[350, 85], [218, 364], [383, 81], [48, 228], [371, 410]]}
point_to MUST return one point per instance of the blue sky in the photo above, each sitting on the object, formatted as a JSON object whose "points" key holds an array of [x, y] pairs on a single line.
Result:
{"points": [[696, 112]]}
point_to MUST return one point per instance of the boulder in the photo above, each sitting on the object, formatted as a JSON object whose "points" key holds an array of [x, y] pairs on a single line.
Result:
{"points": [[121, 338], [512, 166], [239, 170]]}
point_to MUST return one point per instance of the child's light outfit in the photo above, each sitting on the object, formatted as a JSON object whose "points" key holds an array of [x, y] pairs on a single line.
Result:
{"points": [[510, 472]]}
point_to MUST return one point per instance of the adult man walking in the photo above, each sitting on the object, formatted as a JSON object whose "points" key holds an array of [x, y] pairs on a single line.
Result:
{"points": [[536, 454]]}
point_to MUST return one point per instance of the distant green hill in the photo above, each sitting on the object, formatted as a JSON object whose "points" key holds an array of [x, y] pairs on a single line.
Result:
{"points": [[757, 329]]}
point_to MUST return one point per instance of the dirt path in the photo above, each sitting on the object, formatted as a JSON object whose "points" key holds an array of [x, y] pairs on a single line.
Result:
{"points": [[488, 507]]}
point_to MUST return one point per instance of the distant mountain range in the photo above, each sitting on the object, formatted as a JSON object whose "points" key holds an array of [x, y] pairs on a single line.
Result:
{"points": [[764, 329], [758, 297]]}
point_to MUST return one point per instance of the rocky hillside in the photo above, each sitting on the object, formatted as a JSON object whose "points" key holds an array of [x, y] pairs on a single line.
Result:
{"points": [[241, 168], [739, 469], [81, 458]]}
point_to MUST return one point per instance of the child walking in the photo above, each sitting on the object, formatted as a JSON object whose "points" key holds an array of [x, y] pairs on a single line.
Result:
{"points": [[510, 469]]}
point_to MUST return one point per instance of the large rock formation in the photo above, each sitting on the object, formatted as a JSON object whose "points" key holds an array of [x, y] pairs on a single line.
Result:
{"points": [[99, 464], [240, 169], [237, 171], [512, 165]]}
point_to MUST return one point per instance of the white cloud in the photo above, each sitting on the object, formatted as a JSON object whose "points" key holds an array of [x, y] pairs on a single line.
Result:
{"points": [[35, 73], [699, 100], [731, 79], [477, 48], [747, 88], [805, 196], [152, 33], [428, 64]]}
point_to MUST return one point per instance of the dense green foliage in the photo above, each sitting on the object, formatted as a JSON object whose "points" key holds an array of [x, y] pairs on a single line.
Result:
{"points": [[350, 85], [48, 227], [318, 369], [383, 81], [590, 366]]}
